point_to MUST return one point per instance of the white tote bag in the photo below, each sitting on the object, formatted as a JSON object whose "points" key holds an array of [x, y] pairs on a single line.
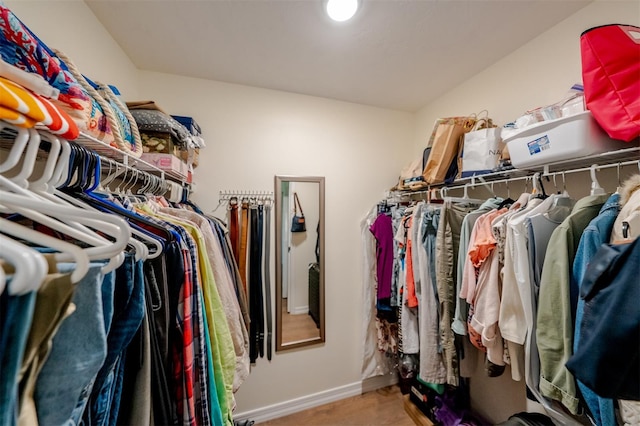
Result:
{"points": [[481, 152]]}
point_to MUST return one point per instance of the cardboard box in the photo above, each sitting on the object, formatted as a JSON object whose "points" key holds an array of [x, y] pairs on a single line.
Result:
{"points": [[169, 163]]}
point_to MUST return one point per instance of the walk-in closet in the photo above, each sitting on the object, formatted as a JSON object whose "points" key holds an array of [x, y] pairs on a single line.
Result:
{"points": [[331, 212]]}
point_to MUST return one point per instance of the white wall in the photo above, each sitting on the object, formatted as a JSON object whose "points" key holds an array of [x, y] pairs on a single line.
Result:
{"points": [[539, 73], [71, 27], [253, 134]]}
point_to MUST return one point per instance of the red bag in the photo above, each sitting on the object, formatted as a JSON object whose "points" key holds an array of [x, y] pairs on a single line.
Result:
{"points": [[611, 78]]}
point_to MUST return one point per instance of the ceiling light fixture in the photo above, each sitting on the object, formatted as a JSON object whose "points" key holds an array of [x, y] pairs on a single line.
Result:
{"points": [[341, 10]]}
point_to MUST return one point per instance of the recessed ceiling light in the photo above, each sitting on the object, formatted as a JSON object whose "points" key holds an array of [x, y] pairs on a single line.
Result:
{"points": [[341, 10]]}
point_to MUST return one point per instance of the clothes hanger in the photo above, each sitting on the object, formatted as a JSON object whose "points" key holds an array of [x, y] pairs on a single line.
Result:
{"points": [[68, 251], [619, 187], [50, 165], [62, 167], [29, 159], [30, 266], [85, 234], [91, 183], [465, 199], [73, 222], [17, 147], [596, 189], [42, 190], [141, 250]]}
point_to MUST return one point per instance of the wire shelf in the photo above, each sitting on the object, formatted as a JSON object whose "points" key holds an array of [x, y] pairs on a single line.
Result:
{"points": [[625, 155]]}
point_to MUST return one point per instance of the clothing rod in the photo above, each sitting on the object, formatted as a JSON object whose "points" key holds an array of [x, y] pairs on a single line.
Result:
{"points": [[479, 181]]}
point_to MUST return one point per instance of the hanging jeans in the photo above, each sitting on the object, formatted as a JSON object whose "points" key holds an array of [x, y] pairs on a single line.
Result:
{"points": [[53, 302], [78, 350], [16, 313], [128, 312]]}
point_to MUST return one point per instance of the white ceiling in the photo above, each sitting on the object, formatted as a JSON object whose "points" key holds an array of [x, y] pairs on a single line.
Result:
{"points": [[398, 54]]}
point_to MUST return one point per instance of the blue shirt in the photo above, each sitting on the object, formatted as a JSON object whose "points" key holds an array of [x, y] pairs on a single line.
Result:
{"points": [[595, 234]]}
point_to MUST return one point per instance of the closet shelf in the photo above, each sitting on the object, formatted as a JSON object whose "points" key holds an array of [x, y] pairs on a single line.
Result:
{"points": [[603, 159], [611, 157], [126, 158], [123, 157]]}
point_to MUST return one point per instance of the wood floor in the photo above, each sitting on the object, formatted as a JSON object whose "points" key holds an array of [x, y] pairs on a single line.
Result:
{"points": [[384, 406], [297, 327]]}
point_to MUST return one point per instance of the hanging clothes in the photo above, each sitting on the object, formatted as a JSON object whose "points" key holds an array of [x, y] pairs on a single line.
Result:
{"points": [[554, 330], [374, 361], [447, 248], [432, 367]]}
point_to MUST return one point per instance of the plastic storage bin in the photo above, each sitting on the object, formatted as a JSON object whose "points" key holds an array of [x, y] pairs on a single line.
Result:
{"points": [[561, 139]]}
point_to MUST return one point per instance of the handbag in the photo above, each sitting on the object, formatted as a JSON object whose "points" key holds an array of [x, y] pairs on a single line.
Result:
{"points": [[482, 149], [610, 56], [446, 144], [297, 223]]}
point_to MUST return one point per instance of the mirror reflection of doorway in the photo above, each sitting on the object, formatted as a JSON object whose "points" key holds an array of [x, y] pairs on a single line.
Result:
{"points": [[299, 262], [286, 246]]}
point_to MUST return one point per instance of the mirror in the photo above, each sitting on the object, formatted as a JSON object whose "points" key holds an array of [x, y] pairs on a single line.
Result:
{"points": [[299, 262]]}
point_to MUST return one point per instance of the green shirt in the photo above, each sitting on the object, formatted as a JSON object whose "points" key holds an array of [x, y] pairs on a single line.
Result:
{"points": [[554, 327]]}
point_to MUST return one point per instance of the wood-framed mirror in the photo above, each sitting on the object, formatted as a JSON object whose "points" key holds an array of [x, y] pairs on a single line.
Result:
{"points": [[300, 262]]}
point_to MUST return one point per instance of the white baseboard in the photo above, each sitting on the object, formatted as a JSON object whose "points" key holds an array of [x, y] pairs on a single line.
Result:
{"points": [[292, 406], [377, 382], [300, 310]]}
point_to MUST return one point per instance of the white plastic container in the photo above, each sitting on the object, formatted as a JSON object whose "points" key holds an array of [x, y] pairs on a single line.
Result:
{"points": [[561, 139]]}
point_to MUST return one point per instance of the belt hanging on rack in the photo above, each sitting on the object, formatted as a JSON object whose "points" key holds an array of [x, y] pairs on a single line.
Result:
{"points": [[267, 275]]}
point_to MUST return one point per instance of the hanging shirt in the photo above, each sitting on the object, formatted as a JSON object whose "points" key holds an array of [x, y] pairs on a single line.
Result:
{"points": [[554, 331], [224, 284], [211, 386], [408, 323], [432, 367], [447, 248], [221, 341], [374, 361], [480, 290], [459, 324], [595, 234], [382, 230]]}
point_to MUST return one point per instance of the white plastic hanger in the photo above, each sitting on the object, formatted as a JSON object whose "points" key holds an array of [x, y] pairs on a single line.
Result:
{"points": [[17, 147], [30, 266], [50, 165], [142, 251], [596, 189], [62, 216], [29, 159], [464, 199], [62, 168], [103, 248], [68, 252]]}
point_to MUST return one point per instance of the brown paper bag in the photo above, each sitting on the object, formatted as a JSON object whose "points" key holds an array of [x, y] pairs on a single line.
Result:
{"points": [[446, 144]]}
